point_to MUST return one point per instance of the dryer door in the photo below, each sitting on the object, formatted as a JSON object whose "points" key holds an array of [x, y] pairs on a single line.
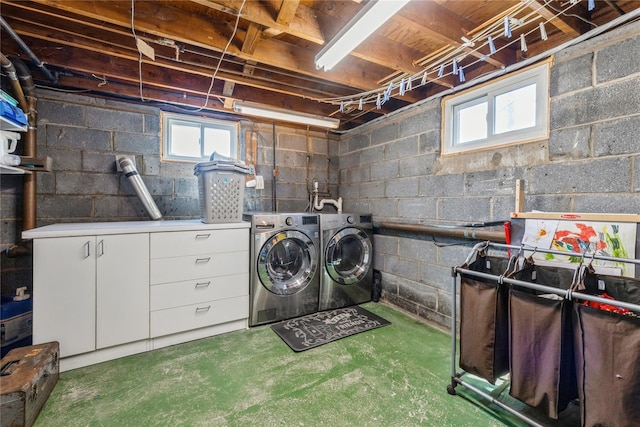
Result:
{"points": [[287, 262], [348, 256]]}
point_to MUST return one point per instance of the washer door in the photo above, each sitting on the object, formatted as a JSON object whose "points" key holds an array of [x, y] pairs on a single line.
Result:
{"points": [[287, 262], [348, 256]]}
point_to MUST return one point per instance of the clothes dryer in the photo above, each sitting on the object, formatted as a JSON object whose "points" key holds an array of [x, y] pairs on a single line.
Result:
{"points": [[347, 260], [285, 277]]}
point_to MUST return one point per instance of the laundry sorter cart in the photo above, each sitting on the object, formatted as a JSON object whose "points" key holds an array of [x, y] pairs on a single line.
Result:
{"points": [[554, 335]]}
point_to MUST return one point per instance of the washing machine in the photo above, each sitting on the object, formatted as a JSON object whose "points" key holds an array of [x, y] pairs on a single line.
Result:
{"points": [[285, 279], [346, 260]]}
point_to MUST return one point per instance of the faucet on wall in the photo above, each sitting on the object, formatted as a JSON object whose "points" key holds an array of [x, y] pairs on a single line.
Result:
{"points": [[320, 205]]}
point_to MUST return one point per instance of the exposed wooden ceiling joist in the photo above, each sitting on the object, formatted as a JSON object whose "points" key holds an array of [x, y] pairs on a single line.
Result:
{"points": [[263, 51]]}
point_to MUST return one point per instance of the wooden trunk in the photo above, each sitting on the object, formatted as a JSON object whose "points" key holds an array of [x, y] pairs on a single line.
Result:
{"points": [[29, 374]]}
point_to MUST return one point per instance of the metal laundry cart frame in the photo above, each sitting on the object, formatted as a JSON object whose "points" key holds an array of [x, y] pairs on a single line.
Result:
{"points": [[456, 376]]}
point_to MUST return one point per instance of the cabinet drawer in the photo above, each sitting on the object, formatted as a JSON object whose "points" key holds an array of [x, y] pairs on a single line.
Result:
{"points": [[182, 243], [174, 320], [165, 270], [176, 294]]}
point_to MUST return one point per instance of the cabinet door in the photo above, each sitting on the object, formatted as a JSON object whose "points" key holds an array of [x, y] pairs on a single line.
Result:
{"points": [[122, 289], [64, 293]]}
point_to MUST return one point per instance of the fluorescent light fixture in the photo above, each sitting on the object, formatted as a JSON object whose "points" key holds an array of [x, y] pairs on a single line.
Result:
{"points": [[370, 18], [258, 110]]}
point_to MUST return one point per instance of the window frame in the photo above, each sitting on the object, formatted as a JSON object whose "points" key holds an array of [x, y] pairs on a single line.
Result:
{"points": [[451, 105], [169, 119]]}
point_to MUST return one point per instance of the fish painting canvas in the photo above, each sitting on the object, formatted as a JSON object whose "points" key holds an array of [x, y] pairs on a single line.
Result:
{"points": [[589, 238]]}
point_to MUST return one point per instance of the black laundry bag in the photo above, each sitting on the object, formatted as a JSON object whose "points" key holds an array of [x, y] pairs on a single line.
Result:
{"points": [[607, 351], [483, 320], [541, 355]]}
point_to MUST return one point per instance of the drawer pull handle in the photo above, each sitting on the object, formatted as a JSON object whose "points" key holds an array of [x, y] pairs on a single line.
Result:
{"points": [[202, 309], [202, 260], [203, 236], [203, 284]]}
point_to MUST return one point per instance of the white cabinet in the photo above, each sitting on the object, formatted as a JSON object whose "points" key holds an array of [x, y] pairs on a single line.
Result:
{"points": [[107, 290], [122, 294], [64, 293], [198, 279], [91, 292]]}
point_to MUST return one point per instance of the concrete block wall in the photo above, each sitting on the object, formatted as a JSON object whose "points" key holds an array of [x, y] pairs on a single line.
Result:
{"points": [[83, 134], [300, 157], [590, 163]]}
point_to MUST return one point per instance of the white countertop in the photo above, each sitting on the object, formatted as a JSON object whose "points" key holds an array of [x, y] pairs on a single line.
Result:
{"points": [[125, 227]]}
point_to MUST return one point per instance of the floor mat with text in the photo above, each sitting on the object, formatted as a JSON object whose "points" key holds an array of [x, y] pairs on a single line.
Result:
{"points": [[313, 330]]}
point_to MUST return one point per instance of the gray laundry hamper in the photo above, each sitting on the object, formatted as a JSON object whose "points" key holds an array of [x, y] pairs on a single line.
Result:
{"points": [[221, 185]]}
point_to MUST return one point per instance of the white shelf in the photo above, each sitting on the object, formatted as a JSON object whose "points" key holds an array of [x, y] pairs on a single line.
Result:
{"points": [[10, 170], [10, 126]]}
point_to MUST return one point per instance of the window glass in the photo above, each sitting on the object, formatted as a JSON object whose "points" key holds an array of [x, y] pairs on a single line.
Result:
{"points": [[515, 109], [508, 110], [472, 123], [217, 140], [194, 139], [185, 140]]}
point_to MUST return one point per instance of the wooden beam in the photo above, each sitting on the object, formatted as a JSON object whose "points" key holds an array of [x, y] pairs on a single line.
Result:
{"points": [[251, 38], [287, 12], [440, 23], [118, 46], [155, 77], [175, 24], [567, 24], [303, 24], [228, 87], [171, 75]]}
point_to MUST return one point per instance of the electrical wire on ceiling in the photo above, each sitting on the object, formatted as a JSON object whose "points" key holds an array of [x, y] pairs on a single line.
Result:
{"points": [[215, 73], [135, 38]]}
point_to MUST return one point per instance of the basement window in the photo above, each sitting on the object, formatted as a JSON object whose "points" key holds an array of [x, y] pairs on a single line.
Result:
{"points": [[193, 139], [510, 110]]}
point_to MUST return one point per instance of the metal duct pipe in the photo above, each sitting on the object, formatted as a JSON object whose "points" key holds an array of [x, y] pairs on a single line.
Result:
{"points": [[30, 181], [130, 171], [28, 51], [8, 68], [25, 92], [461, 232]]}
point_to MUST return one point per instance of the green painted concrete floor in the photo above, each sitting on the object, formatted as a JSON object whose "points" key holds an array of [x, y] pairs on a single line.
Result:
{"points": [[391, 376]]}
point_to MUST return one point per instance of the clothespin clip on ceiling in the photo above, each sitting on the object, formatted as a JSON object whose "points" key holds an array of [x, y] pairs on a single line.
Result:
{"points": [[492, 47], [543, 31], [523, 43], [507, 27]]}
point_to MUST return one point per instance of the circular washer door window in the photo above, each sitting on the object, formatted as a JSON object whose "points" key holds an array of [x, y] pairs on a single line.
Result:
{"points": [[287, 262], [348, 256]]}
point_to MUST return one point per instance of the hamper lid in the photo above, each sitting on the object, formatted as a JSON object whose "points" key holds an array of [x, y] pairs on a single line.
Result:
{"points": [[219, 162]]}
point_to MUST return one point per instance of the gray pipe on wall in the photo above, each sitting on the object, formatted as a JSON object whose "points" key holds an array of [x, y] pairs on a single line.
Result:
{"points": [[130, 171], [28, 51], [461, 232]]}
